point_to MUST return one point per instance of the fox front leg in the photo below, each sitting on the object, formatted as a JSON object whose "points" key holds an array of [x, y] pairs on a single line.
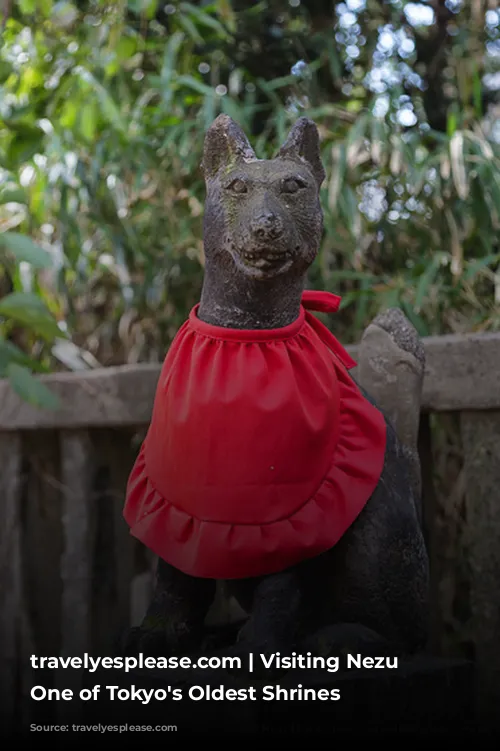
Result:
{"points": [[273, 603], [174, 621]]}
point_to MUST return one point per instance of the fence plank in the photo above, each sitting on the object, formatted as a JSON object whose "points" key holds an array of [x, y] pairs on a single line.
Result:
{"points": [[441, 454], [462, 372], [77, 474], [102, 398], [11, 599], [115, 547], [481, 441], [121, 460], [43, 537]]}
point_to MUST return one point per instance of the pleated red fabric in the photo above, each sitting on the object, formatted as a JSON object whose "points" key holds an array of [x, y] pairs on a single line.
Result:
{"points": [[261, 450]]}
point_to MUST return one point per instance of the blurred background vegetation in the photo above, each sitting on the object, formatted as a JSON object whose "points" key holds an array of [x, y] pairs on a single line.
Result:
{"points": [[103, 105]]}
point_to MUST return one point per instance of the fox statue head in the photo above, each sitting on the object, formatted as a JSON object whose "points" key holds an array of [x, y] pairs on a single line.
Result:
{"points": [[262, 224]]}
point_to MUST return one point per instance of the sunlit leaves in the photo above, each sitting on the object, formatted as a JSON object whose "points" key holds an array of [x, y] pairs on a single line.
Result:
{"points": [[411, 214]]}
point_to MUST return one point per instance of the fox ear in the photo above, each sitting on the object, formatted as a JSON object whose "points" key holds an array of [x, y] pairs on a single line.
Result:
{"points": [[302, 144], [225, 144]]}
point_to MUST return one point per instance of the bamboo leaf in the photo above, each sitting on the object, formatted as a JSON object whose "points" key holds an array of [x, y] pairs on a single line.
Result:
{"points": [[24, 249], [426, 280], [10, 353], [458, 165], [193, 83], [13, 195], [109, 108], [476, 266], [30, 389], [29, 310]]}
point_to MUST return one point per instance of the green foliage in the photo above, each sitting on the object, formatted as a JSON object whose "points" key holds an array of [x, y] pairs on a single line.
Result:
{"points": [[29, 388], [24, 249], [30, 310], [102, 114]]}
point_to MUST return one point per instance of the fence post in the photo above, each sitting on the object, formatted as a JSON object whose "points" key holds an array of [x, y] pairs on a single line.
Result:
{"points": [[77, 475], [11, 595], [481, 443]]}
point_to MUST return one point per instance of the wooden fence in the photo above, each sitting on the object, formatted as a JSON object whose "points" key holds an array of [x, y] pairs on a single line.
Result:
{"points": [[71, 576]]}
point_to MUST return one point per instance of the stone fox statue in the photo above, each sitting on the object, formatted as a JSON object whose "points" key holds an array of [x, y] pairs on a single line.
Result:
{"points": [[265, 465]]}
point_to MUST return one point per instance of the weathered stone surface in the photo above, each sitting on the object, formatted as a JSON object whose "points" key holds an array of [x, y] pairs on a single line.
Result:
{"points": [[462, 372], [106, 397], [391, 368], [391, 372]]}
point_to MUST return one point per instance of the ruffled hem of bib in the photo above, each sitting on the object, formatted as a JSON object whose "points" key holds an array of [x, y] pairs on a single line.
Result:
{"points": [[218, 550]]}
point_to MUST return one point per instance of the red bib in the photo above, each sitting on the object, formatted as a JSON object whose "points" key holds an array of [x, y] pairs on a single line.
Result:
{"points": [[261, 450]]}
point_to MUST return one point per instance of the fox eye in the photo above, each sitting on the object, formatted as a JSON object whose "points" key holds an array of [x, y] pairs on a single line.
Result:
{"points": [[291, 185], [237, 186]]}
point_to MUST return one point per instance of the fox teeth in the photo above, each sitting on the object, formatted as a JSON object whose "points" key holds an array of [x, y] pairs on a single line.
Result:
{"points": [[259, 260]]}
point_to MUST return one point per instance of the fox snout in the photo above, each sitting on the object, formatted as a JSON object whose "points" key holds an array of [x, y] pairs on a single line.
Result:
{"points": [[266, 225]]}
